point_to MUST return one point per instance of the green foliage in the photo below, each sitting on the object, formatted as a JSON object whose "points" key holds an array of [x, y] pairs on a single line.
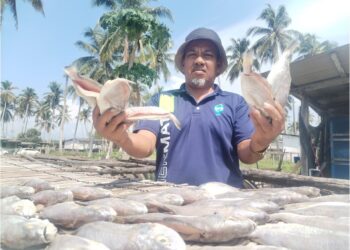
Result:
{"points": [[32, 135], [131, 21], [138, 73]]}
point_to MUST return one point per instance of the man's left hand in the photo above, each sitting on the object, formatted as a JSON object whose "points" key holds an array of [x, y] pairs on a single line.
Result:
{"points": [[266, 128]]}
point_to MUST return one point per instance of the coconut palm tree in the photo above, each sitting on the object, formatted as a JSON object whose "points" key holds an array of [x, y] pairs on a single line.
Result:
{"points": [[274, 38], [43, 117], [310, 45], [12, 4], [52, 99], [27, 103], [7, 99], [235, 57], [64, 116]]}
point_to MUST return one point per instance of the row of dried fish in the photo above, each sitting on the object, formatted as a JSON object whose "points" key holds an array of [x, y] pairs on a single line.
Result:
{"points": [[213, 213]]}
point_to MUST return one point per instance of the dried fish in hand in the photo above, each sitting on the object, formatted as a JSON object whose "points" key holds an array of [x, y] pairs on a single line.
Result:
{"points": [[257, 90], [18, 232], [145, 236], [70, 215], [115, 94], [62, 242], [13, 205]]}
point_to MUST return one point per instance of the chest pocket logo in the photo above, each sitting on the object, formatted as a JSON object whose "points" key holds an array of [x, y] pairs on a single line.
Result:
{"points": [[218, 109]]}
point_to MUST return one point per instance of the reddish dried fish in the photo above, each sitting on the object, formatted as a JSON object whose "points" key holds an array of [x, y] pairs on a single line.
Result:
{"points": [[70, 215], [115, 94], [75, 242], [51, 197], [143, 236], [210, 228], [38, 184], [90, 193], [17, 232]]}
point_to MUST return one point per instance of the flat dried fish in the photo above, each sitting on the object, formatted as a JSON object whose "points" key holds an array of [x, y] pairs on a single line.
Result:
{"points": [[332, 197], [145, 236], [115, 94], [210, 228], [123, 207], [51, 197], [216, 188], [70, 215], [90, 193], [38, 184], [256, 215], [22, 192], [18, 232], [299, 237], [12, 205], [305, 190], [250, 246], [325, 222], [257, 90], [330, 209], [75, 242]]}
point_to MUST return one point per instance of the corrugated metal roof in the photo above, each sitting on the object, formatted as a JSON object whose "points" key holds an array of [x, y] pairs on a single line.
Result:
{"points": [[323, 81]]}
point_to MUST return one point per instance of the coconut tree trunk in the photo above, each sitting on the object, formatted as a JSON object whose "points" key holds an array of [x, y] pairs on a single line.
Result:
{"points": [[24, 129], [63, 116], [110, 150], [91, 140], [3, 118], [76, 125]]}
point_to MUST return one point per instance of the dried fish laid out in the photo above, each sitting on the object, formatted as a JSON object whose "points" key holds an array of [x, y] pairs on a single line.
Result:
{"points": [[115, 94], [304, 190], [216, 188], [22, 192], [332, 197], [210, 228], [17, 232], [331, 209], [51, 197], [71, 215], [145, 236], [38, 184], [296, 236], [325, 222], [123, 207], [280, 197], [249, 246], [75, 242], [257, 90], [12, 205], [90, 193], [256, 215]]}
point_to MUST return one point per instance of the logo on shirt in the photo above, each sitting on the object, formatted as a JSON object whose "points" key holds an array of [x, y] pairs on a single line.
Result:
{"points": [[218, 109]]}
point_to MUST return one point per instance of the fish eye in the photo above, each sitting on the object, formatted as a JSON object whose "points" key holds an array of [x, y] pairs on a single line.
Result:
{"points": [[162, 239]]}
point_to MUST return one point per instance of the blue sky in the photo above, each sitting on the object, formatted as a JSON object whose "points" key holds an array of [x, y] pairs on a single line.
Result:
{"points": [[36, 53]]}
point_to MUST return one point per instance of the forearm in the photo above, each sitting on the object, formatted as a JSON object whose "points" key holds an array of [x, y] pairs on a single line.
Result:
{"points": [[139, 145]]}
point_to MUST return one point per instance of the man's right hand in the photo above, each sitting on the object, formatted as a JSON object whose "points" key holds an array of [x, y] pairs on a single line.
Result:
{"points": [[111, 125]]}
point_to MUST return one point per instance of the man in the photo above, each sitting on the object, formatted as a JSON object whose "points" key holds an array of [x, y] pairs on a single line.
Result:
{"points": [[217, 128]]}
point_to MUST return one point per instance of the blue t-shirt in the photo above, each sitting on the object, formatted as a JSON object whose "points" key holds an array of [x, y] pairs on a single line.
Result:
{"points": [[205, 149]]}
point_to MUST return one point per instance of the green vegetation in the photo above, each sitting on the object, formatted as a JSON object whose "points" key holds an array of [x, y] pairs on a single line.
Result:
{"points": [[269, 164]]}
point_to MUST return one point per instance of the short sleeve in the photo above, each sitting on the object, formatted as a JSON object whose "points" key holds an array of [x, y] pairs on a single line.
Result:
{"points": [[244, 127], [150, 125]]}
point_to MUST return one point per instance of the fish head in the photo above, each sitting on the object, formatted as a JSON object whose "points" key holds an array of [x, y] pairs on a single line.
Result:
{"points": [[156, 236]]}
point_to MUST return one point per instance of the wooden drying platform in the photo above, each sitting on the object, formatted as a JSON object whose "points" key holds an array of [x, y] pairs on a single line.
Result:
{"points": [[121, 177]]}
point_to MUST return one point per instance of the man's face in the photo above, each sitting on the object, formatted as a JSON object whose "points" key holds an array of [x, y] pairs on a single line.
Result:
{"points": [[200, 63]]}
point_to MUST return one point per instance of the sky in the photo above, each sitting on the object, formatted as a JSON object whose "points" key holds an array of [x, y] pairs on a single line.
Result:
{"points": [[36, 53]]}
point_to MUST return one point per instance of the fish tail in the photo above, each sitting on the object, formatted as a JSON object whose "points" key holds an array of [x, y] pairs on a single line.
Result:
{"points": [[175, 120], [247, 61]]}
